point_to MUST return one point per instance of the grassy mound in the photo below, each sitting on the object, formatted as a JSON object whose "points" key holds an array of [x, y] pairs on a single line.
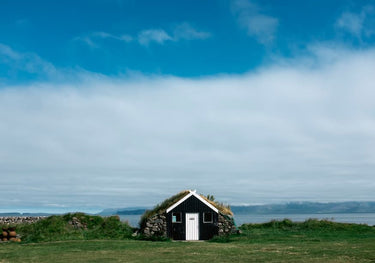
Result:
{"points": [[223, 208], [160, 208], [76, 226]]}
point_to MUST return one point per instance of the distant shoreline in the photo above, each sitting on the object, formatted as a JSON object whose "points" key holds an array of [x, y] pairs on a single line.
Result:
{"points": [[351, 207]]}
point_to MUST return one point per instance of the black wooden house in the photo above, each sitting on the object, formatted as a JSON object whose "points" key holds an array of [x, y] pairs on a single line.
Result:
{"points": [[188, 216], [192, 218]]}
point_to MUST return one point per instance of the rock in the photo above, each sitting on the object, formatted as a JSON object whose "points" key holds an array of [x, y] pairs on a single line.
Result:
{"points": [[155, 225], [135, 233], [226, 225]]}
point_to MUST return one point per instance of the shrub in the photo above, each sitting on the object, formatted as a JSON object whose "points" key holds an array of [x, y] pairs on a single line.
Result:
{"points": [[75, 226]]}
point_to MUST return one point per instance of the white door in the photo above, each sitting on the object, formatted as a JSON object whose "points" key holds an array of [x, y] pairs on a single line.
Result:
{"points": [[192, 226]]}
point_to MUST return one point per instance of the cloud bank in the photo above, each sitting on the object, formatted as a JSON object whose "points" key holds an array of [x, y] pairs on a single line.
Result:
{"points": [[296, 130]]}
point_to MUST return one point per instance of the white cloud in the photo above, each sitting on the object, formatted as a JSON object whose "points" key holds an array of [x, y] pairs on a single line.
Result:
{"points": [[183, 31], [92, 39], [87, 40], [27, 62], [153, 35], [258, 25], [353, 23], [286, 132], [186, 31], [7, 52], [104, 35], [358, 24]]}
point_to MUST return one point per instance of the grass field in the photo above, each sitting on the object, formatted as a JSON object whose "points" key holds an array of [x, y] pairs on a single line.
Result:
{"points": [[292, 250], [277, 241]]}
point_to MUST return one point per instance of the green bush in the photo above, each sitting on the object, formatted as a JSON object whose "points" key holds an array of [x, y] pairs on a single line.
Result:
{"points": [[55, 228], [112, 228]]}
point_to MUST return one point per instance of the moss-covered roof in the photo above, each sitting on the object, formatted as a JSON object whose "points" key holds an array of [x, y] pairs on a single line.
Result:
{"points": [[224, 209], [162, 207]]}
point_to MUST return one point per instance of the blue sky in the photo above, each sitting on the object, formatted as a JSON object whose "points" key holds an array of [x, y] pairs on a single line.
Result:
{"points": [[123, 103], [222, 36]]}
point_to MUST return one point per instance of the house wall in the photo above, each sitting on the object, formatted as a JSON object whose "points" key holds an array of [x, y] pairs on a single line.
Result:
{"points": [[177, 231], [155, 226], [226, 225]]}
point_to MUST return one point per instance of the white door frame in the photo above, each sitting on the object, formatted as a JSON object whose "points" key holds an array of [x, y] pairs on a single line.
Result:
{"points": [[192, 226]]}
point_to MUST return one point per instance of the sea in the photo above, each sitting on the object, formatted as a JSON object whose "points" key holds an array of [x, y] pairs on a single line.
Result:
{"points": [[358, 218]]}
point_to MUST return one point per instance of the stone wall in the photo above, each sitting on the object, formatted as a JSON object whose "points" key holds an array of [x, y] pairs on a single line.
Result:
{"points": [[226, 225], [15, 220], [155, 226]]}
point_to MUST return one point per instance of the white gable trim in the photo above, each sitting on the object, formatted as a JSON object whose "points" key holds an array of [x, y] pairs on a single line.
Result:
{"points": [[205, 202], [187, 196]]}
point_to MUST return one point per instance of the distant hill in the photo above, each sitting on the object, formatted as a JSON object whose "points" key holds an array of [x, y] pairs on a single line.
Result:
{"points": [[307, 208], [131, 212], [123, 211], [288, 208]]}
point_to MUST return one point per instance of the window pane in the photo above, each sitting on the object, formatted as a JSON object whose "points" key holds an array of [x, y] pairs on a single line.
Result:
{"points": [[176, 217], [207, 217]]}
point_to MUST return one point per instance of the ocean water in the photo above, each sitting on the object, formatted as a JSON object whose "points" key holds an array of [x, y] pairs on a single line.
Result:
{"points": [[359, 218]]}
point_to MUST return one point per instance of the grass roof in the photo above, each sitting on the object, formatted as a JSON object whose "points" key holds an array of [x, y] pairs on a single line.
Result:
{"points": [[223, 208], [162, 207]]}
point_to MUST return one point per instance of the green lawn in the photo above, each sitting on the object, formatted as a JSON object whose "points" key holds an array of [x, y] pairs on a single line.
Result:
{"points": [[264, 247], [54, 240]]}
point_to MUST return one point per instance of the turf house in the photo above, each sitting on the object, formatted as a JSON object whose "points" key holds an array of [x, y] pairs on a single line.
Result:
{"points": [[188, 216]]}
